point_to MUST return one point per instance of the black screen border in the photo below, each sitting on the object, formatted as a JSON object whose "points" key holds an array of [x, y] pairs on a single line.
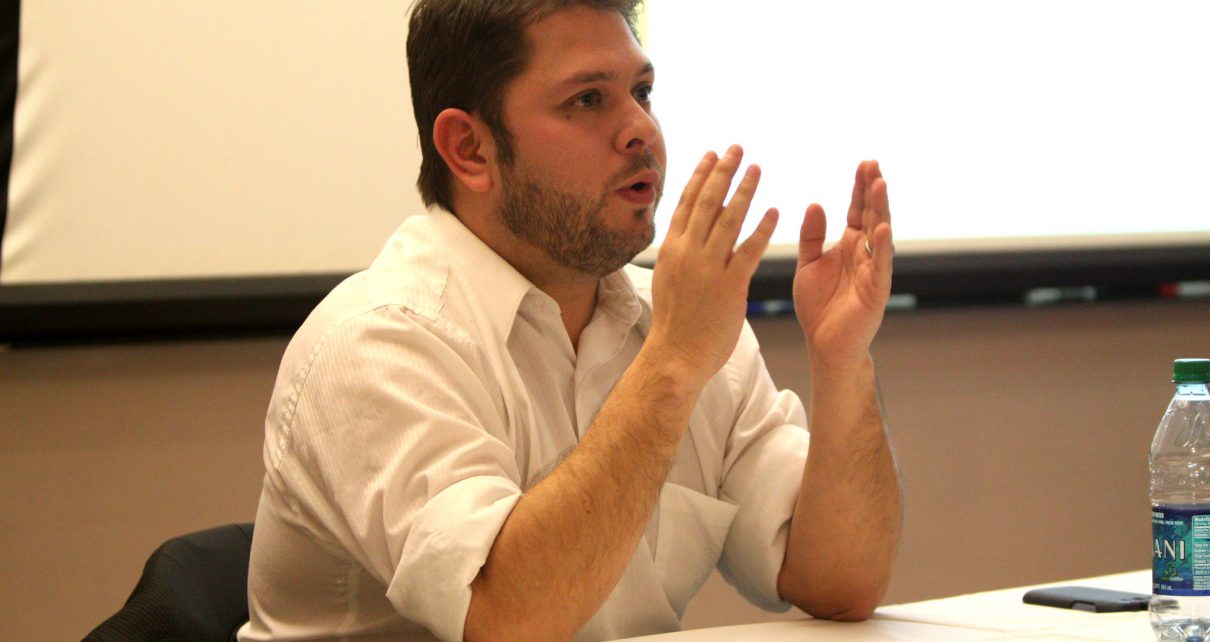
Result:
{"points": [[38, 314]]}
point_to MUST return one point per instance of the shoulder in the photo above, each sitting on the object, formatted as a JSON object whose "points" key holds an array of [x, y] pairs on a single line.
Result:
{"points": [[402, 302], [356, 340]]}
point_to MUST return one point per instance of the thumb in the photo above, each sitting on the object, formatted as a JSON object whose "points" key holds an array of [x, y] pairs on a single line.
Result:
{"points": [[811, 236]]}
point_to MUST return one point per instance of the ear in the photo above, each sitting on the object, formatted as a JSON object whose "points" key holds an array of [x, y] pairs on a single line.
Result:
{"points": [[466, 145]]}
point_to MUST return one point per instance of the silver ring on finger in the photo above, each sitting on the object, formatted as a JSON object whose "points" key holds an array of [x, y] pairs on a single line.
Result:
{"points": [[869, 251]]}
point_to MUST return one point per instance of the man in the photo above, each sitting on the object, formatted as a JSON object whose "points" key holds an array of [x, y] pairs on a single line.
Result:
{"points": [[501, 431]]}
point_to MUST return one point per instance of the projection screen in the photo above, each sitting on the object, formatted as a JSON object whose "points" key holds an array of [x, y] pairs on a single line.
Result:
{"points": [[215, 166]]}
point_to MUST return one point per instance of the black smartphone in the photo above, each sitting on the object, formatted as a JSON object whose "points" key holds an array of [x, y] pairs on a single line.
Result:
{"points": [[1087, 598]]}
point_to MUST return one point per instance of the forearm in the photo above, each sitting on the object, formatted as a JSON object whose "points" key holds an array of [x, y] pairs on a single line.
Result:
{"points": [[848, 516], [569, 539]]}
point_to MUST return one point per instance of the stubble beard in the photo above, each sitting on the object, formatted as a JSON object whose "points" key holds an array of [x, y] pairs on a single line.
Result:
{"points": [[568, 226]]}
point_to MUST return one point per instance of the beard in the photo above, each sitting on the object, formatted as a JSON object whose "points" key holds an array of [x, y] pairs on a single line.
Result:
{"points": [[568, 226]]}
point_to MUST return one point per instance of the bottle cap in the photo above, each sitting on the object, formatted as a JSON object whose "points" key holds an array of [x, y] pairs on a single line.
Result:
{"points": [[1191, 371]]}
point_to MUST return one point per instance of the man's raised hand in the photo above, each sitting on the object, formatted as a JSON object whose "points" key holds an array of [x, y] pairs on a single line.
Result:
{"points": [[700, 286], [840, 295]]}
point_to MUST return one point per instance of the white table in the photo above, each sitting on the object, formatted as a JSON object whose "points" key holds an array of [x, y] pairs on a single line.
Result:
{"points": [[992, 615]]}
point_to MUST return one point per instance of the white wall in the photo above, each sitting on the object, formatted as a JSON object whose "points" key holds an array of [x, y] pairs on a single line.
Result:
{"points": [[1022, 435]]}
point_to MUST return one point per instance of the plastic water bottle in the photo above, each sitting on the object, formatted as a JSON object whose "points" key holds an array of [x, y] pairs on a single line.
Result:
{"points": [[1180, 509]]}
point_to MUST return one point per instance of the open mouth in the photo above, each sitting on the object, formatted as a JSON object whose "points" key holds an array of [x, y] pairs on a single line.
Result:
{"points": [[642, 189], [639, 193]]}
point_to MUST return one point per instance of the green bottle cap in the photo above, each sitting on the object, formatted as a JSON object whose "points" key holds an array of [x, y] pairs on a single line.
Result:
{"points": [[1191, 371]]}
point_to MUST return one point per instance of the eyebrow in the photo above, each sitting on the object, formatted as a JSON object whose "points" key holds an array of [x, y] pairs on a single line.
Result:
{"points": [[597, 76]]}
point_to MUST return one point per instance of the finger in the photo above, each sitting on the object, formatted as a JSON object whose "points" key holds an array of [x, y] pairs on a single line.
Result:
{"points": [[710, 200], [747, 255], [877, 205], [857, 202], [731, 220], [875, 201], [684, 207], [884, 255], [811, 235]]}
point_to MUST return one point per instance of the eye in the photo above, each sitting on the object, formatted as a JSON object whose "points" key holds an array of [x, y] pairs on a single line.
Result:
{"points": [[587, 100], [643, 93]]}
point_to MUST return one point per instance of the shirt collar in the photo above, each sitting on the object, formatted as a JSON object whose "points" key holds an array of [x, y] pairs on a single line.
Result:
{"points": [[505, 290], [617, 296], [501, 288]]}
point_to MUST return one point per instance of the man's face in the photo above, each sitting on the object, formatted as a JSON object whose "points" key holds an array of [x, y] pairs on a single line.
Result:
{"points": [[589, 155]]}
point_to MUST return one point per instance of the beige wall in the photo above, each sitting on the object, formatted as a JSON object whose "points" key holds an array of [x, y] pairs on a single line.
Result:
{"points": [[1022, 435]]}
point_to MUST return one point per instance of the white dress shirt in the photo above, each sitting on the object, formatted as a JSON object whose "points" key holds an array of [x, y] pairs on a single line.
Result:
{"points": [[427, 393]]}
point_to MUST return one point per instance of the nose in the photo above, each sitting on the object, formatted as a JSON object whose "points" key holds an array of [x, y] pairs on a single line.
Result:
{"points": [[639, 129]]}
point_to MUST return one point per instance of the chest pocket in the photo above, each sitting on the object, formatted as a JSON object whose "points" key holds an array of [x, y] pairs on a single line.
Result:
{"points": [[692, 530]]}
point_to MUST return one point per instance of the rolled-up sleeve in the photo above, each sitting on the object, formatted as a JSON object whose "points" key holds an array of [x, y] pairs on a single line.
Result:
{"points": [[450, 538], [393, 449], [762, 473]]}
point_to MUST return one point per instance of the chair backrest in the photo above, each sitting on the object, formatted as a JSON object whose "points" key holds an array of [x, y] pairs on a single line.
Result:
{"points": [[193, 589]]}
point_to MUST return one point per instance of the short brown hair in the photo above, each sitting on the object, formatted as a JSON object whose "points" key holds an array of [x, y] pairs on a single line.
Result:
{"points": [[462, 54]]}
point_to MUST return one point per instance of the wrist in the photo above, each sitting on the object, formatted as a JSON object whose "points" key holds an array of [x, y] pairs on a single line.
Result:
{"points": [[855, 370], [667, 379], [844, 399]]}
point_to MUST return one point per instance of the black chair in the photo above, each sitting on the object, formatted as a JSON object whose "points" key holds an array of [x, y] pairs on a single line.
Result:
{"points": [[194, 588]]}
